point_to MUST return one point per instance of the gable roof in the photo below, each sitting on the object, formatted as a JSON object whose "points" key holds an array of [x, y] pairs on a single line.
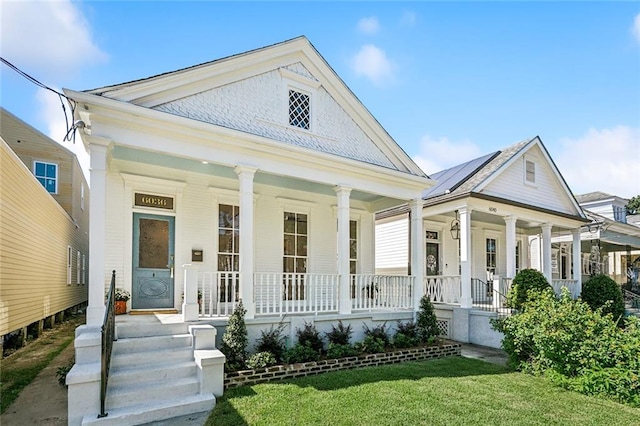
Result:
{"points": [[299, 59], [592, 197]]}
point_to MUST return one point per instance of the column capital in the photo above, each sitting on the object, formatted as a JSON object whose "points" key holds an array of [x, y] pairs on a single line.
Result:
{"points": [[546, 226], [342, 190], [244, 170], [510, 218], [464, 209]]}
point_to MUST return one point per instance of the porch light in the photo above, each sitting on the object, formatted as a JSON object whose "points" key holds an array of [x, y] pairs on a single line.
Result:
{"points": [[455, 228]]}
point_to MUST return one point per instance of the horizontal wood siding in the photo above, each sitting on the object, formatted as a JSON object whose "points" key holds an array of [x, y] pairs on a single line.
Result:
{"points": [[546, 193], [34, 234]]}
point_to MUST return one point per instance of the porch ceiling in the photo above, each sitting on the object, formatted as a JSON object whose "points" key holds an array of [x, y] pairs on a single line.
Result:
{"points": [[196, 166]]}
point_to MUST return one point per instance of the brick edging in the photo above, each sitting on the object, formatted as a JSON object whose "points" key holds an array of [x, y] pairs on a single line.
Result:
{"points": [[290, 371]]}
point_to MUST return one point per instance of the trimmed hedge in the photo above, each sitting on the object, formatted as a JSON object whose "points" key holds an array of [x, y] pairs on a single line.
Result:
{"points": [[601, 292]]}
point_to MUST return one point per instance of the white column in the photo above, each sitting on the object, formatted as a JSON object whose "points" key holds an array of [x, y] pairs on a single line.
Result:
{"points": [[510, 222], [546, 251], [417, 251], [245, 176], [465, 257], [344, 292], [576, 252], [97, 235]]}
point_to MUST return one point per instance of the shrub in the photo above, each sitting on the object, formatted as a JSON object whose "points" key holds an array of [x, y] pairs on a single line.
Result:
{"points": [[62, 372], [600, 291], [261, 360], [370, 345], [526, 280], [401, 340], [337, 350], [310, 336], [426, 323], [301, 353], [408, 328], [339, 335], [235, 340], [378, 332], [272, 341]]}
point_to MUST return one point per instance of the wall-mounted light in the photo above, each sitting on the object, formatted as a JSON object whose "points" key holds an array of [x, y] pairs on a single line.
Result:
{"points": [[455, 228]]}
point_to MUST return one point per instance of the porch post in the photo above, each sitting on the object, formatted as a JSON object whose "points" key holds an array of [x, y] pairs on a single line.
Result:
{"points": [[245, 176], [417, 251], [344, 293], [97, 234], [465, 257], [510, 222], [546, 251], [576, 251]]}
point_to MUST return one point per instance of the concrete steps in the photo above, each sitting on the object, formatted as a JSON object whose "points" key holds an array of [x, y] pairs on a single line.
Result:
{"points": [[153, 376]]}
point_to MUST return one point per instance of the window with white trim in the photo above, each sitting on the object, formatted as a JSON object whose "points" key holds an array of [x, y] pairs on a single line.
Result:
{"points": [[69, 264], [299, 109], [78, 268], [47, 175], [84, 269], [353, 254], [295, 254], [529, 171], [82, 196], [491, 256], [228, 249]]}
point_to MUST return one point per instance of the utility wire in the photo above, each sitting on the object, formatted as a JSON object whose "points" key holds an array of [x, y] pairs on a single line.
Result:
{"points": [[71, 134]]}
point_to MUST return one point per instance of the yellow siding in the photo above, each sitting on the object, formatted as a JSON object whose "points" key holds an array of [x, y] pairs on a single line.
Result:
{"points": [[34, 235]]}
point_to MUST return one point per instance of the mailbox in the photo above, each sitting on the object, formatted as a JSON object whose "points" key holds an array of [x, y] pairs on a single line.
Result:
{"points": [[196, 255]]}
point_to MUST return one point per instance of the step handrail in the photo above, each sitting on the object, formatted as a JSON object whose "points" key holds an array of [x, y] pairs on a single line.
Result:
{"points": [[108, 336]]}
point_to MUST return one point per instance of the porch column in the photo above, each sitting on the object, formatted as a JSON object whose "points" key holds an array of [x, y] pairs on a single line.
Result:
{"points": [[97, 234], [546, 251], [344, 292], [576, 252], [510, 222], [245, 176], [465, 257], [417, 251]]}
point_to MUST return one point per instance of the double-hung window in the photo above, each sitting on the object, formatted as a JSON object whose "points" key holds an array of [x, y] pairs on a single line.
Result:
{"points": [[228, 250], [294, 262]]}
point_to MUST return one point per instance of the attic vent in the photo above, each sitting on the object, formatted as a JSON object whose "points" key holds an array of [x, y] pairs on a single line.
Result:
{"points": [[299, 110], [530, 171]]}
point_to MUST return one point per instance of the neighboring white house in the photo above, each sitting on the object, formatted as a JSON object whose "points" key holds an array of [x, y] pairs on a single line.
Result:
{"points": [[485, 220], [255, 177]]}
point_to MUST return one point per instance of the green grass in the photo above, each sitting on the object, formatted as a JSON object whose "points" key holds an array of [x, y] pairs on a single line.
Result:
{"points": [[452, 391]]}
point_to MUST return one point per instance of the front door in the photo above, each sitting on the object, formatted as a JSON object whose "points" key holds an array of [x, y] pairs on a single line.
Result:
{"points": [[433, 259], [153, 261]]}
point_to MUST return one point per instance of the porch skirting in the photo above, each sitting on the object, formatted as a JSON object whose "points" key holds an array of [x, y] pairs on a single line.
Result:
{"points": [[290, 371]]}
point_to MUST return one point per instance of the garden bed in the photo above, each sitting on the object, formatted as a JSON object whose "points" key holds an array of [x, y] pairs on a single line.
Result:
{"points": [[289, 371]]}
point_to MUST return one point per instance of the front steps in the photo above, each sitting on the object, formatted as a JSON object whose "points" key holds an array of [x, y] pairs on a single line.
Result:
{"points": [[153, 376]]}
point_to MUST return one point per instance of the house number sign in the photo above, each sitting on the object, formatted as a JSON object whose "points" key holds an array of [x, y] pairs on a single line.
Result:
{"points": [[155, 201]]}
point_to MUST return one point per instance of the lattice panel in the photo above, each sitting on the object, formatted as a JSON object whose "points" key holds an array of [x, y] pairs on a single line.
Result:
{"points": [[443, 327], [299, 109]]}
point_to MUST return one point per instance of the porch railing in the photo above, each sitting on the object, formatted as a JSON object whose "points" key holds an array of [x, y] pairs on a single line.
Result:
{"points": [[218, 293], [108, 336], [572, 285], [481, 291], [370, 292], [280, 293], [442, 288]]}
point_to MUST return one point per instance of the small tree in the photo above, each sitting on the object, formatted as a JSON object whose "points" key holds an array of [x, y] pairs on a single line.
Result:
{"points": [[600, 291], [426, 323], [526, 280], [633, 206], [235, 340]]}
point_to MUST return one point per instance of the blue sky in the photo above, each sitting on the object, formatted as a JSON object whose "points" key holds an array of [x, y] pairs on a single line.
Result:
{"points": [[449, 81]]}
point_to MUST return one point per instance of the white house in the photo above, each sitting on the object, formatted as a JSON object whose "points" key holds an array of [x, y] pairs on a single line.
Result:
{"points": [[254, 177], [485, 220]]}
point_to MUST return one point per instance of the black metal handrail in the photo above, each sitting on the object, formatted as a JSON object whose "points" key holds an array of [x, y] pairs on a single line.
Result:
{"points": [[108, 336]]}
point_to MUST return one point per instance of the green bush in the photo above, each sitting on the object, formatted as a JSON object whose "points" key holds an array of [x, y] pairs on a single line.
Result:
{"points": [[301, 353], [310, 336], [370, 345], [339, 335], [426, 322], [272, 341], [378, 332], [235, 340], [401, 341], [337, 350], [579, 348], [261, 360], [600, 291], [526, 280]]}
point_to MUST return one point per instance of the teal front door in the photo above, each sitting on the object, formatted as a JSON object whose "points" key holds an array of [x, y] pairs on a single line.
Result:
{"points": [[153, 262]]}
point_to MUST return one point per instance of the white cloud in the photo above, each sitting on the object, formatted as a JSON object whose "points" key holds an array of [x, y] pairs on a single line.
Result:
{"points": [[606, 160], [369, 25], [372, 63], [636, 27], [439, 154], [47, 39]]}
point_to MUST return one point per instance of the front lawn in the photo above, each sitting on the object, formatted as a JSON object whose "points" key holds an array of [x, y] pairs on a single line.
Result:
{"points": [[452, 391]]}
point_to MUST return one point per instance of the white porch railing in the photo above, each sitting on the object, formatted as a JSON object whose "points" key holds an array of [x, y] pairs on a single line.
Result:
{"points": [[281, 293], [443, 289], [381, 292], [572, 285], [218, 293]]}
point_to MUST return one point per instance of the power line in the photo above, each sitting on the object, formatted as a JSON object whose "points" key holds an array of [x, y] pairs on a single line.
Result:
{"points": [[71, 134]]}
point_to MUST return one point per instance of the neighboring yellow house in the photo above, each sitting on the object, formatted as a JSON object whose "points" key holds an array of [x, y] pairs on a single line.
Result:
{"points": [[44, 228]]}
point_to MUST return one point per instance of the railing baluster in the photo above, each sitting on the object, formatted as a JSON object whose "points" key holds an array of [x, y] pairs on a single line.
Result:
{"points": [[108, 336]]}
